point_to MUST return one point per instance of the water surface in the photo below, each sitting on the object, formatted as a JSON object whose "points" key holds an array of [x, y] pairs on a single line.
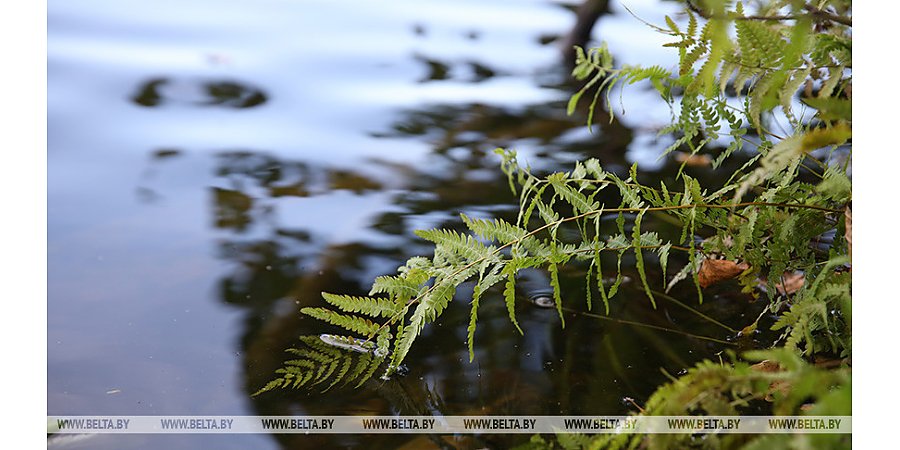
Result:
{"points": [[215, 165]]}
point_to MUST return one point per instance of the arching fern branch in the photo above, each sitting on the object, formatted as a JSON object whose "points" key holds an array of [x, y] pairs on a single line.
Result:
{"points": [[384, 328]]}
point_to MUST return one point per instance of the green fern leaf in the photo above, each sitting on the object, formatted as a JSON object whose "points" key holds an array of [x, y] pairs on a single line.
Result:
{"points": [[401, 288], [637, 243], [407, 337], [557, 289], [580, 202], [432, 304], [325, 372], [525, 215], [497, 230], [726, 72], [760, 98], [630, 196], [375, 307], [663, 252], [686, 65], [462, 245], [358, 325], [672, 25], [548, 215], [509, 291], [600, 282], [484, 283], [276, 383], [786, 94], [835, 74]]}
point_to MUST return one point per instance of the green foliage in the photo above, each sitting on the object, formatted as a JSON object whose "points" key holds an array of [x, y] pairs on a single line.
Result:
{"points": [[739, 73], [784, 381]]}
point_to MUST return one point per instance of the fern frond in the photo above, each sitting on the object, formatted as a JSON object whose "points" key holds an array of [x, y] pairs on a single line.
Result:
{"points": [[465, 246], [356, 324], [835, 75], [497, 230], [557, 289], [631, 196], [789, 90], [509, 291], [484, 283], [548, 215], [432, 303], [663, 253], [637, 243], [401, 288], [580, 202], [600, 280], [370, 306]]}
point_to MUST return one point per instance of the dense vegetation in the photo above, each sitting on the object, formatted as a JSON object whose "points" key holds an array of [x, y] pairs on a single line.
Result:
{"points": [[769, 79]]}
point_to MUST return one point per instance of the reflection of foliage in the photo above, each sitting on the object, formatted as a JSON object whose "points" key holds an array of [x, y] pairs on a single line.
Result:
{"points": [[343, 179], [481, 128], [232, 208], [278, 178], [235, 95], [223, 93], [322, 359], [234, 205], [267, 270]]}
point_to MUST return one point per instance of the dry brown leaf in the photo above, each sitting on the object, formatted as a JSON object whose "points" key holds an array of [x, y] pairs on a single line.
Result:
{"points": [[766, 366], [823, 362], [778, 385], [693, 159], [791, 282], [782, 386], [715, 270], [847, 231]]}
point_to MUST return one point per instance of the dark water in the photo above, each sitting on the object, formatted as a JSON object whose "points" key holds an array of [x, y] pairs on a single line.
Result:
{"points": [[215, 165]]}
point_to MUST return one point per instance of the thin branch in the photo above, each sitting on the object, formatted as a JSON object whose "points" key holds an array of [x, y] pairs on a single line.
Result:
{"points": [[677, 302], [646, 325]]}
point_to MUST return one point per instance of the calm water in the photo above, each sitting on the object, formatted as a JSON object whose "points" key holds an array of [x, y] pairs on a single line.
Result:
{"points": [[215, 165]]}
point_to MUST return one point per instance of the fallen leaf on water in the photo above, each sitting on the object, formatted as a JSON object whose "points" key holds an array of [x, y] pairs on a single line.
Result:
{"points": [[715, 270]]}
